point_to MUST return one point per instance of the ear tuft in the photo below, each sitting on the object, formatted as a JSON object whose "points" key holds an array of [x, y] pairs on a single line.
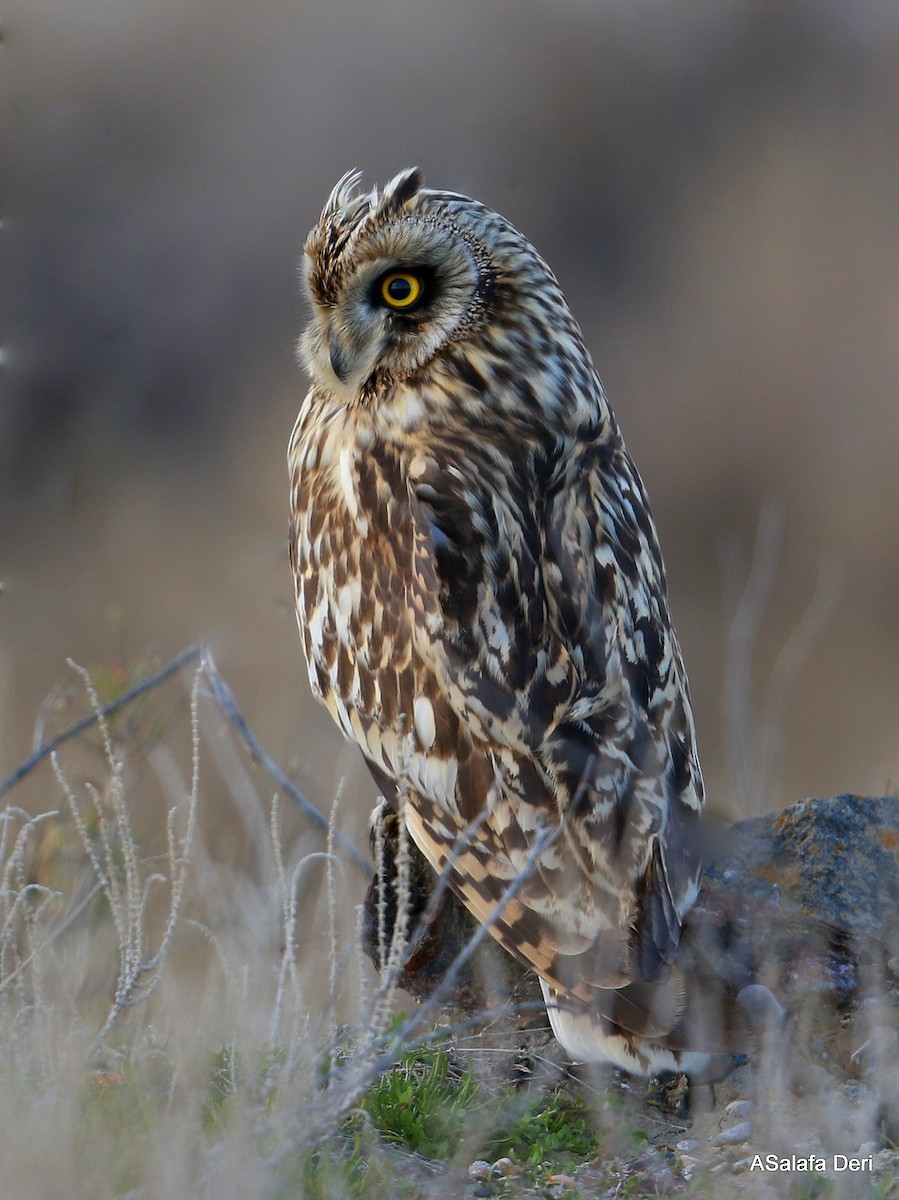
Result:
{"points": [[399, 191], [342, 194]]}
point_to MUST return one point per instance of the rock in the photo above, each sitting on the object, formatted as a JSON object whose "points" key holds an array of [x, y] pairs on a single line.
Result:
{"points": [[740, 1110], [836, 860], [505, 1167], [813, 895], [808, 897], [736, 1135]]}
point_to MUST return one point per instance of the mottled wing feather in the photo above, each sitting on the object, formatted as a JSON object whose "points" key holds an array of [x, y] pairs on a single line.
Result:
{"points": [[628, 735], [556, 647]]}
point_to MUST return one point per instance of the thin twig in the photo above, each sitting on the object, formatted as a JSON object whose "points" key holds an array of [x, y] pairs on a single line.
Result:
{"points": [[70, 919], [46, 748], [790, 661], [755, 733], [545, 837], [224, 697], [383, 1052], [226, 702], [751, 597]]}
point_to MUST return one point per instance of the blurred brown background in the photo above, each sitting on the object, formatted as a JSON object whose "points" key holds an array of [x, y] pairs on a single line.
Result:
{"points": [[716, 184]]}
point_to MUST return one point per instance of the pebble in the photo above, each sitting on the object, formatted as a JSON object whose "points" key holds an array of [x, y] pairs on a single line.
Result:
{"points": [[479, 1169], [641, 1161], [741, 1109], [663, 1181], [687, 1145], [741, 1132], [505, 1166]]}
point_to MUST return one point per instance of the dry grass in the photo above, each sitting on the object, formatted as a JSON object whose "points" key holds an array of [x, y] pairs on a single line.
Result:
{"points": [[143, 995], [175, 1024]]}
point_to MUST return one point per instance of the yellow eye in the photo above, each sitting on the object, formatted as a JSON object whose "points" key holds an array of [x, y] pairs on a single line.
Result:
{"points": [[399, 289]]}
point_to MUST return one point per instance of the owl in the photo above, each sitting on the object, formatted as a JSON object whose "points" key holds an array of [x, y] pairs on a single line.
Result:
{"points": [[484, 611]]}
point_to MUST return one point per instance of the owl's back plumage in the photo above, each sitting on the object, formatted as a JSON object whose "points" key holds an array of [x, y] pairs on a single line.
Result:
{"points": [[484, 609]]}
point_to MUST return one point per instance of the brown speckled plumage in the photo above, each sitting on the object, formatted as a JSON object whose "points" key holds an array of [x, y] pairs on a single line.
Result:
{"points": [[483, 603]]}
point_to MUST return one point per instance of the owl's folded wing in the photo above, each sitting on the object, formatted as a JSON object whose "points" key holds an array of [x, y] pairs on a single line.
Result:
{"points": [[555, 646]]}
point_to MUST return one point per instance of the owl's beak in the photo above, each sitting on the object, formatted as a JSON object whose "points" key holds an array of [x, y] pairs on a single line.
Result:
{"points": [[340, 360]]}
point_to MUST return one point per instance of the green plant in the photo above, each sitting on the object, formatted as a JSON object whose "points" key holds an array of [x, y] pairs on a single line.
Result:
{"points": [[881, 1188], [554, 1129], [812, 1187], [226, 1071], [422, 1103], [354, 1166]]}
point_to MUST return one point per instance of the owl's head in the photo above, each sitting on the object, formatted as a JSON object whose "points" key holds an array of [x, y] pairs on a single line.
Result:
{"points": [[407, 283]]}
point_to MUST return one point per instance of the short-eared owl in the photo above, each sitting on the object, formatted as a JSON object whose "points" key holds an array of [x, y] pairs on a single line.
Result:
{"points": [[483, 606]]}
